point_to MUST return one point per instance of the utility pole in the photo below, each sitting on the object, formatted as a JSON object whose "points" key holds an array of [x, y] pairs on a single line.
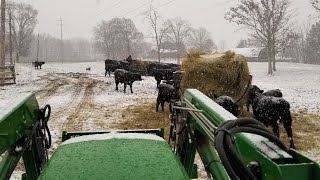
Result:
{"points": [[3, 33], [38, 49], [61, 42], [46, 42], [10, 38], [2, 40]]}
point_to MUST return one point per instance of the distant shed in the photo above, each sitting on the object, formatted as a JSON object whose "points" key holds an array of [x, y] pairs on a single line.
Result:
{"points": [[257, 54]]}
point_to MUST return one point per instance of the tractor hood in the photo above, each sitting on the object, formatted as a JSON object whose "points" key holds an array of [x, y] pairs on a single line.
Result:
{"points": [[114, 156]]}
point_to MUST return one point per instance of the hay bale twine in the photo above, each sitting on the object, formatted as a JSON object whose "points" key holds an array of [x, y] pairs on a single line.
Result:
{"points": [[218, 74]]}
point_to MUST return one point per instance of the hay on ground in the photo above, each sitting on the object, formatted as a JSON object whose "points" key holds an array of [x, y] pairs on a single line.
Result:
{"points": [[224, 74], [144, 116]]}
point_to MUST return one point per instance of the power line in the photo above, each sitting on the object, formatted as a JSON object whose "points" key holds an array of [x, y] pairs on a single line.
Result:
{"points": [[138, 7], [117, 3], [165, 4], [215, 6], [155, 8]]}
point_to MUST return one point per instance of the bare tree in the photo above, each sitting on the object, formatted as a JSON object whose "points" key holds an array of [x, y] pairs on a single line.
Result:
{"points": [[269, 23], [200, 40], [298, 49], [243, 43], [118, 38], [178, 31], [159, 29], [75, 50], [102, 39], [24, 19], [222, 46], [315, 4]]}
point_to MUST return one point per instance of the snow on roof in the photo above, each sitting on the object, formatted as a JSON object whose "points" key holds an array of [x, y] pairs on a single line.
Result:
{"points": [[167, 51], [248, 52], [113, 135]]}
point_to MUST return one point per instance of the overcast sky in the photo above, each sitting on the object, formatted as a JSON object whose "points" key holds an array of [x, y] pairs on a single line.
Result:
{"points": [[80, 16]]}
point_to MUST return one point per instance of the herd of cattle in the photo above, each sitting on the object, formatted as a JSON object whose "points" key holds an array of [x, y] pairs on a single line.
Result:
{"points": [[268, 107], [167, 72]]}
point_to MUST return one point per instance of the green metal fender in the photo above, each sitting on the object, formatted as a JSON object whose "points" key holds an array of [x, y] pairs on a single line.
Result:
{"points": [[16, 121], [275, 163]]}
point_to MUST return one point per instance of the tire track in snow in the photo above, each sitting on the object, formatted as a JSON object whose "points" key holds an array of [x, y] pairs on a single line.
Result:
{"points": [[82, 112], [64, 110], [45, 93]]}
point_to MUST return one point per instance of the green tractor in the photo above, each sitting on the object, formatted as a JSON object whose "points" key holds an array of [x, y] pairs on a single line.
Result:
{"points": [[230, 148]]}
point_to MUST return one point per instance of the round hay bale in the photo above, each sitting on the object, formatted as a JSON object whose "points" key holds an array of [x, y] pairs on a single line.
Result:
{"points": [[224, 74]]}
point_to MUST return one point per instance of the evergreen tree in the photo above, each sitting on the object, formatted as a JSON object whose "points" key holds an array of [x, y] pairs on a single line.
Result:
{"points": [[313, 45]]}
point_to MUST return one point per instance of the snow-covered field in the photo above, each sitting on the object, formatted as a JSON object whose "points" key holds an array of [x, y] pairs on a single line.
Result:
{"points": [[300, 83], [86, 100]]}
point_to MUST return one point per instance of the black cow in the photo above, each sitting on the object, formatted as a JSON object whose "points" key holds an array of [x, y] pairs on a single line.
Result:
{"points": [[156, 65], [269, 110], [112, 65], [163, 74], [124, 65], [176, 67], [166, 93], [37, 64], [273, 92], [125, 77], [228, 104]]}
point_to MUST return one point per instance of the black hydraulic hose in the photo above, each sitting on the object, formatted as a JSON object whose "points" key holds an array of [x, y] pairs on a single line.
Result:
{"points": [[237, 165], [234, 166], [219, 145], [224, 145], [45, 123]]}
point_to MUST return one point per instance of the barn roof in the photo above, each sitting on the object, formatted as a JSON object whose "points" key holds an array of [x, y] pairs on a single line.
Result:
{"points": [[248, 52], [167, 51]]}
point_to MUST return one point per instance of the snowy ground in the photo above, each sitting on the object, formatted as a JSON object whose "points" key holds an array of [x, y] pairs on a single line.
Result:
{"points": [[298, 82], [86, 100]]}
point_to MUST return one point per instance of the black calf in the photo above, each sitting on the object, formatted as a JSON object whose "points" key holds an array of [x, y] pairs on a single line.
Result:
{"points": [[228, 103], [37, 64], [269, 110], [273, 92], [163, 74], [166, 93]]}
